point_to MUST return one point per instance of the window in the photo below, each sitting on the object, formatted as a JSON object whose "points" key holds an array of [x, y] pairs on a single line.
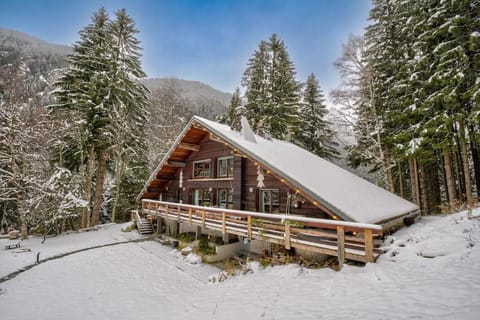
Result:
{"points": [[201, 169], [270, 200], [225, 198], [202, 197], [225, 167]]}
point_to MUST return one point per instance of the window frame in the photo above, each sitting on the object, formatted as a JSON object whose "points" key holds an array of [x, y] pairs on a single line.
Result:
{"points": [[228, 203], [271, 205], [229, 173], [204, 161], [202, 198]]}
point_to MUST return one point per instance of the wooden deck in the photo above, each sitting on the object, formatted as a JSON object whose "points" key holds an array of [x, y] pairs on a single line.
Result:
{"points": [[345, 240]]}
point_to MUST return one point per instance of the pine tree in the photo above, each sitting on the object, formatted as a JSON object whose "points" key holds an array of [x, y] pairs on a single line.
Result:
{"points": [[255, 81], [101, 86], [314, 132], [281, 114], [271, 91], [235, 102]]}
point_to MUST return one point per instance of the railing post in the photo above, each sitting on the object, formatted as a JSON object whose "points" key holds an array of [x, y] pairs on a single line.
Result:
{"points": [[190, 215], [178, 214], [203, 218], [368, 245], [224, 223], [341, 245], [249, 227], [287, 235], [166, 211]]}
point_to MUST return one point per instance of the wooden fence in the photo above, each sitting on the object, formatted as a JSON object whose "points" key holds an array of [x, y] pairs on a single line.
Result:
{"points": [[346, 240]]}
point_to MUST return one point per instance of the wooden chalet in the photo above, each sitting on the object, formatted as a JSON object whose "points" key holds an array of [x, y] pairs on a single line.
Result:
{"points": [[220, 179]]}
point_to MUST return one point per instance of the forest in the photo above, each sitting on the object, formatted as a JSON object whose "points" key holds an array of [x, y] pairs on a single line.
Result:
{"points": [[80, 132]]}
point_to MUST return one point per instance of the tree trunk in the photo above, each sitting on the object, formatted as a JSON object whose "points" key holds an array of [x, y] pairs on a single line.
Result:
{"points": [[458, 172], [423, 190], [98, 199], [412, 164], [476, 160], [465, 165], [400, 179], [118, 179], [388, 171], [434, 184], [88, 187], [450, 180], [21, 214]]}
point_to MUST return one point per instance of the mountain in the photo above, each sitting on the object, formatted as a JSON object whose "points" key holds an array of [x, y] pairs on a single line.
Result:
{"points": [[40, 56], [203, 100]]}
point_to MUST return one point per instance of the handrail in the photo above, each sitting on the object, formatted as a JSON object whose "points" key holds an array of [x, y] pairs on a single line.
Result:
{"points": [[313, 234], [350, 226]]}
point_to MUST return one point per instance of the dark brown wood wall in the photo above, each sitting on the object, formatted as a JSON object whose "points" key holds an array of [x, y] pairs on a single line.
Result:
{"points": [[244, 183]]}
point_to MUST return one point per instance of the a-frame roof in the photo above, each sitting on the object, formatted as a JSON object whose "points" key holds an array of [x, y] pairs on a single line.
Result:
{"points": [[335, 189]]}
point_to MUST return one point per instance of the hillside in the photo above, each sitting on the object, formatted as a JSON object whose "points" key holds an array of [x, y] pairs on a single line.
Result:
{"points": [[203, 99], [40, 56]]}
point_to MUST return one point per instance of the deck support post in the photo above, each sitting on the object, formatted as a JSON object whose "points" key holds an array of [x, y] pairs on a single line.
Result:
{"points": [[341, 245], [198, 232], [249, 227], [368, 245], [203, 217], [159, 225], [224, 228]]}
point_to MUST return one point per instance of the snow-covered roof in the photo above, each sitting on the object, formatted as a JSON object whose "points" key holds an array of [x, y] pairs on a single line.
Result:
{"points": [[342, 192]]}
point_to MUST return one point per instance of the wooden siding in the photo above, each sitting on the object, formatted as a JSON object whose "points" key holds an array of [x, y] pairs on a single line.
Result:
{"points": [[246, 195]]}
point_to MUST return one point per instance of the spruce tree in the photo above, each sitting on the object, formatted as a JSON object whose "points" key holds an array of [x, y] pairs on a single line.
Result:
{"points": [[101, 86], [235, 101], [271, 91], [314, 132]]}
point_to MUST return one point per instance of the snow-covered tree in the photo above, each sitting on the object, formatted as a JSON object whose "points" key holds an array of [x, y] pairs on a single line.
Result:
{"points": [[314, 132], [101, 85], [272, 94]]}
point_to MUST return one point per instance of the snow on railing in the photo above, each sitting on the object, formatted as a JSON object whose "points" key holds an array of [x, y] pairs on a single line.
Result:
{"points": [[289, 230]]}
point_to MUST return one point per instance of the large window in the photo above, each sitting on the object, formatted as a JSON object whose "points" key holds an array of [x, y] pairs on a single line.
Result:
{"points": [[201, 169], [202, 197], [270, 200], [225, 198], [225, 167]]}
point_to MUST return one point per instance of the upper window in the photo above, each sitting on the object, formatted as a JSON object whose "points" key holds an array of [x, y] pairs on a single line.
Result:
{"points": [[225, 167], [201, 169]]}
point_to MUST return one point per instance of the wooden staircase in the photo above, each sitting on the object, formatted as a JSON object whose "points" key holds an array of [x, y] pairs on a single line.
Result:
{"points": [[144, 226]]}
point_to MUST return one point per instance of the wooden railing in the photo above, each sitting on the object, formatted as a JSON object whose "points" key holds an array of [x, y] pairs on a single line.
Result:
{"points": [[346, 240]]}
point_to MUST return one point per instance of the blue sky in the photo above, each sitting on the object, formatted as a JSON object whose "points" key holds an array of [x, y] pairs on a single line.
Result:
{"points": [[211, 40]]}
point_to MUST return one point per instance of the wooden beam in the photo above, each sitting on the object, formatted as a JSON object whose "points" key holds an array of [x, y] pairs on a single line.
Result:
{"points": [[341, 245], [176, 164], [224, 224], [287, 235], [368, 245], [189, 146], [165, 178]]}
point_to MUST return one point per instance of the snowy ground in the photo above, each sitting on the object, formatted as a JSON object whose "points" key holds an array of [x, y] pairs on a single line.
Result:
{"points": [[432, 271]]}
